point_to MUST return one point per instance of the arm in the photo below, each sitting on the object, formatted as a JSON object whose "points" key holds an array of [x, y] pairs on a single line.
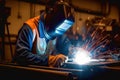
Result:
{"points": [[24, 46], [62, 45]]}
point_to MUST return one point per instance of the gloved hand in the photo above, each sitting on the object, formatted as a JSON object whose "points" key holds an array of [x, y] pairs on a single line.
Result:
{"points": [[56, 60]]}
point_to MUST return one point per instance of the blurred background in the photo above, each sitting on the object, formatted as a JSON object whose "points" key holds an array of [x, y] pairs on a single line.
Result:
{"points": [[96, 28]]}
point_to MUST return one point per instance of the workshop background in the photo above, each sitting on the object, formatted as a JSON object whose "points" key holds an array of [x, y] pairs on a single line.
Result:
{"points": [[104, 12]]}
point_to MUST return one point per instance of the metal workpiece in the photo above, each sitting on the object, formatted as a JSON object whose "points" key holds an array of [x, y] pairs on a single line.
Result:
{"points": [[15, 72], [68, 71]]}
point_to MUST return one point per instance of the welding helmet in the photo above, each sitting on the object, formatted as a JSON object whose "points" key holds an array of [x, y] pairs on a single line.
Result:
{"points": [[59, 19]]}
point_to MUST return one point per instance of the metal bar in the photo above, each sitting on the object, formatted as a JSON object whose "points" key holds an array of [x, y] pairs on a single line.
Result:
{"points": [[9, 40], [21, 72]]}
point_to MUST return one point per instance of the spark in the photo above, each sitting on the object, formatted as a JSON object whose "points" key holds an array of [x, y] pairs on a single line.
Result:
{"points": [[95, 42], [82, 56]]}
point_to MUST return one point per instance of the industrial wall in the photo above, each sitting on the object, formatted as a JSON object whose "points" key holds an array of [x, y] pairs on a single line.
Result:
{"points": [[21, 11]]}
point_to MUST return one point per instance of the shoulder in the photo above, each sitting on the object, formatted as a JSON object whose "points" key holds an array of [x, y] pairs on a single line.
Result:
{"points": [[33, 22], [25, 29]]}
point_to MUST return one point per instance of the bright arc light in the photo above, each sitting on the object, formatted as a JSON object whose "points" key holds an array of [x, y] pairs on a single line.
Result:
{"points": [[82, 56]]}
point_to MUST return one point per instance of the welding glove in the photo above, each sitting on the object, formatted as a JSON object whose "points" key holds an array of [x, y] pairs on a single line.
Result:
{"points": [[56, 60]]}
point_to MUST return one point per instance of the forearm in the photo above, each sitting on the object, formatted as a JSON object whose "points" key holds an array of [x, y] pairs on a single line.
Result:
{"points": [[27, 57]]}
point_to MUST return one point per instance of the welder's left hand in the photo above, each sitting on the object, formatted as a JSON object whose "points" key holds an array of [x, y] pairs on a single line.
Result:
{"points": [[56, 60]]}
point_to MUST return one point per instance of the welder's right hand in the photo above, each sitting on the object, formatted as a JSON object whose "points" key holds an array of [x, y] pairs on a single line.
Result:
{"points": [[56, 60]]}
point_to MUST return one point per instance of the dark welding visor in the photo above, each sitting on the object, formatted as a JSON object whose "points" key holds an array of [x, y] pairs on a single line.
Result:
{"points": [[60, 20]]}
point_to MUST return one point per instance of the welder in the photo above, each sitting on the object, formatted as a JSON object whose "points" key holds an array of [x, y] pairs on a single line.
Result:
{"points": [[37, 32]]}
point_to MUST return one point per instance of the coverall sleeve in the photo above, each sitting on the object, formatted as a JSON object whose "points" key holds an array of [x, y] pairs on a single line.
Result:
{"points": [[64, 47], [24, 46]]}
